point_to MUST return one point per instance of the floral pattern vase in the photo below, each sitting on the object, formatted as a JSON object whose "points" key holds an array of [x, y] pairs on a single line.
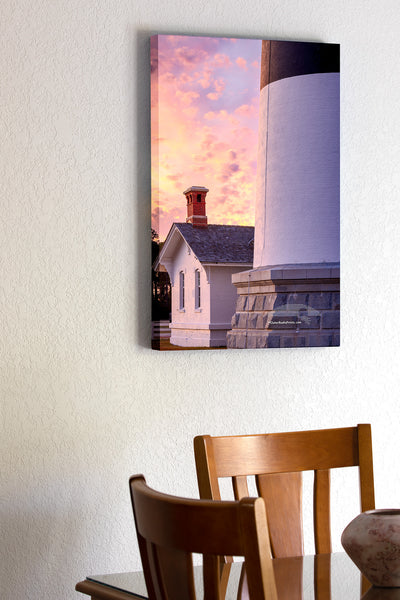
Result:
{"points": [[372, 540]]}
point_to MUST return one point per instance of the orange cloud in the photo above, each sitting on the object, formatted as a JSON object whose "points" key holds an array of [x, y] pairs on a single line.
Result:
{"points": [[186, 98], [190, 112]]}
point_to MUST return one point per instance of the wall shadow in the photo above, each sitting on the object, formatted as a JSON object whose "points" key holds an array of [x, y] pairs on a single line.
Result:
{"points": [[141, 227]]}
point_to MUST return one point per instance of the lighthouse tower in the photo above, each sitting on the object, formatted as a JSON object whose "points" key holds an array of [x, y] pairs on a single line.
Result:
{"points": [[291, 297]]}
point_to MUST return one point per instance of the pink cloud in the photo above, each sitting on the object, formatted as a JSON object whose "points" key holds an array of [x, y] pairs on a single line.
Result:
{"points": [[186, 98], [205, 80], [230, 190], [228, 170], [219, 85], [220, 146], [199, 157], [221, 61], [214, 96], [167, 78], [242, 63], [208, 140], [246, 110], [190, 56], [185, 78], [176, 180], [211, 115], [243, 110], [173, 39]]}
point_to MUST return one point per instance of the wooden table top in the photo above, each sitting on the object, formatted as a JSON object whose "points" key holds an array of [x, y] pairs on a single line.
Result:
{"points": [[319, 577]]}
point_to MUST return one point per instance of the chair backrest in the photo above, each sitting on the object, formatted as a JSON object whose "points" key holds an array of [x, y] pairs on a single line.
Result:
{"points": [[276, 460], [170, 528]]}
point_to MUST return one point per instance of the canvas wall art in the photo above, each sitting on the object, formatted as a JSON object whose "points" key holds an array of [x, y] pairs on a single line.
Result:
{"points": [[245, 193]]}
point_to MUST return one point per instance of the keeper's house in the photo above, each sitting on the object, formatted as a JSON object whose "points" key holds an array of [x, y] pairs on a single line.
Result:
{"points": [[200, 260]]}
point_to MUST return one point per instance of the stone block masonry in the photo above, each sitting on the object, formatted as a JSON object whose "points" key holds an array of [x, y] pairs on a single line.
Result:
{"points": [[289, 306]]}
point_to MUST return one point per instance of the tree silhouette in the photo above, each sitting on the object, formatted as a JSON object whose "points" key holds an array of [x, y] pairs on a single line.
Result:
{"points": [[161, 285]]}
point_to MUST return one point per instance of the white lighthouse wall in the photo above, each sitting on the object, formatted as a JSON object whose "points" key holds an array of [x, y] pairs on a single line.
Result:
{"points": [[297, 197]]}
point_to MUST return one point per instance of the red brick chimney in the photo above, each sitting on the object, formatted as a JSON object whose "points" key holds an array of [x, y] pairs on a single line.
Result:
{"points": [[196, 205]]}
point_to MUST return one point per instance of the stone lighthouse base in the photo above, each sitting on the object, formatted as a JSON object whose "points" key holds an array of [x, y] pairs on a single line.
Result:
{"points": [[287, 306]]}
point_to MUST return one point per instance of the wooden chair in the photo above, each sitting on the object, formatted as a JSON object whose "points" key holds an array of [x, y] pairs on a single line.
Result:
{"points": [[170, 528], [276, 460]]}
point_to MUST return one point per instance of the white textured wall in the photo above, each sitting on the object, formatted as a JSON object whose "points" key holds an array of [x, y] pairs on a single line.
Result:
{"points": [[85, 403]]}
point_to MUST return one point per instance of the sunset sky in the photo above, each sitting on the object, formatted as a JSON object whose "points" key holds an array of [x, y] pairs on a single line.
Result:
{"points": [[205, 96]]}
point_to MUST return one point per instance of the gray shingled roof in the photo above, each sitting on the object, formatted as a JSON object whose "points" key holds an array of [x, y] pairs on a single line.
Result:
{"points": [[220, 243]]}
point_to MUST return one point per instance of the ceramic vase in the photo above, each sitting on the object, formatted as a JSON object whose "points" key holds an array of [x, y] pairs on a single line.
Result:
{"points": [[372, 540]]}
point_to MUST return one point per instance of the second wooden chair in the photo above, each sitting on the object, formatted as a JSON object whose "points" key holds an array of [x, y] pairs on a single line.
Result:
{"points": [[277, 460]]}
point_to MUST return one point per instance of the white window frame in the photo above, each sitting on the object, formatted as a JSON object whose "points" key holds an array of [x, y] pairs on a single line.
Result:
{"points": [[181, 290], [197, 289]]}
